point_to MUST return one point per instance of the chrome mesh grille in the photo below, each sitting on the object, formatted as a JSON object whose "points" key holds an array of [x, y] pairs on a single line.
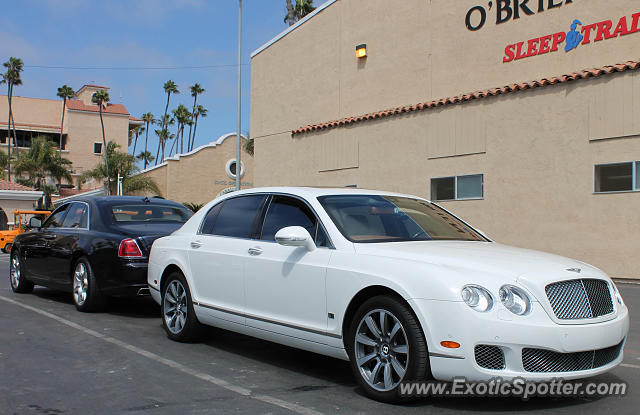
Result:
{"points": [[489, 357], [541, 360], [580, 299]]}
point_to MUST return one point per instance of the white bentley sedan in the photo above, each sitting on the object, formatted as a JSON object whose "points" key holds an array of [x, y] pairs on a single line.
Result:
{"points": [[395, 284]]}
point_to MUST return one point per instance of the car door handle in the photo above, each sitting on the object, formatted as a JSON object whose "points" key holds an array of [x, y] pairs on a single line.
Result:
{"points": [[196, 244], [49, 236], [255, 251]]}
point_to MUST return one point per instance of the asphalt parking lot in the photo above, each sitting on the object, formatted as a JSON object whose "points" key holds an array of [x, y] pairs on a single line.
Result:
{"points": [[54, 360]]}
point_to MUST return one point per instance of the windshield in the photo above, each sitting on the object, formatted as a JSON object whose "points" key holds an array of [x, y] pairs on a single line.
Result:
{"points": [[372, 218], [147, 213]]}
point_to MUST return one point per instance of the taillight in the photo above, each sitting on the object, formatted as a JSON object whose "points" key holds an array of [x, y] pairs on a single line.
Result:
{"points": [[129, 249]]}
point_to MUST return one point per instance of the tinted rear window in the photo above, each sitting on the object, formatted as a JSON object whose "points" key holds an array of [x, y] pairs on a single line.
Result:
{"points": [[146, 213]]}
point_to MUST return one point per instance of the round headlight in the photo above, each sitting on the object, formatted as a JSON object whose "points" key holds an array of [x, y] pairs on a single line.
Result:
{"points": [[616, 293], [477, 298], [515, 300]]}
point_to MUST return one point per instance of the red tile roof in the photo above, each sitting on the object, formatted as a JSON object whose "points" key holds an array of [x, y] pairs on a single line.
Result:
{"points": [[132, 118], [6, 185], [75, 104], [587, 73]]}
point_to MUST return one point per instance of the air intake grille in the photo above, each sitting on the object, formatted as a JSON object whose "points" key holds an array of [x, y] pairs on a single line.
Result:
{"points": [[541, 360], [580, 299], [489, 357]]}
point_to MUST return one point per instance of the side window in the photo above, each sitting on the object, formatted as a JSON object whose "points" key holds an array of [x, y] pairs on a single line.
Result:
{"points": [[56, 219], [76, 216], [237, 216], [209, 219], [288, 211]]}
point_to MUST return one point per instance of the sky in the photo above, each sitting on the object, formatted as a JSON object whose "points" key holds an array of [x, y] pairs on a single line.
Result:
{"points": [[94, 40]]}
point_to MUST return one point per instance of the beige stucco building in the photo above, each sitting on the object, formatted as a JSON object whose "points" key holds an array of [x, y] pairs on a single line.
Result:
{"points": [[203, 173], [82, 134], [525, 122]]}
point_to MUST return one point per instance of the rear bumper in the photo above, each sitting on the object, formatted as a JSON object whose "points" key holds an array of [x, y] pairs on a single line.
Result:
{"points": [[130, 281]]}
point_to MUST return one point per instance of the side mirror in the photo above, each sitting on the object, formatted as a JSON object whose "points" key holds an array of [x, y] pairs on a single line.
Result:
{"points": [[35, 223], [295, 236]]}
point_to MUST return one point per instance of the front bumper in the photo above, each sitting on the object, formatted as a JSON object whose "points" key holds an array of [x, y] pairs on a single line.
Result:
{"points": [[455, 321]]}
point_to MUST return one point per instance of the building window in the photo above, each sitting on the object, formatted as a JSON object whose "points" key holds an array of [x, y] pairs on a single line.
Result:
{"points": [[458, 187], [617, 177], [97, 148], [232, 167]]}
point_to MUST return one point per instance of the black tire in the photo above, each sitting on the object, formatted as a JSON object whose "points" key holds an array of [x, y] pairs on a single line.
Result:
{"points": [[178, 316], [86, 291], [402, 353], [19, 283]]}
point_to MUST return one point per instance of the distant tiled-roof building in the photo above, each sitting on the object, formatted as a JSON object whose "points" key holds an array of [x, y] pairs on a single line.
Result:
{"points": [[82, 135]]}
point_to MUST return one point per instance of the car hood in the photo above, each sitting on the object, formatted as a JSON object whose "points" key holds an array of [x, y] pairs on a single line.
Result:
{"points": [[485, 257]]}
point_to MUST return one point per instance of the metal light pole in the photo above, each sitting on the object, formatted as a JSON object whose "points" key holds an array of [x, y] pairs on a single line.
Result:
{"points": [[238, 133]]}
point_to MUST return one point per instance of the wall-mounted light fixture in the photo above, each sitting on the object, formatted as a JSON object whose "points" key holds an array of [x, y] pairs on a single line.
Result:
{"points": [[361, 51]]}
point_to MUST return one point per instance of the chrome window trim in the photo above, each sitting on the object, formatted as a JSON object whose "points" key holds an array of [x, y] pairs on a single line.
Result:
{"points": [[330, 244], [87, 228]]}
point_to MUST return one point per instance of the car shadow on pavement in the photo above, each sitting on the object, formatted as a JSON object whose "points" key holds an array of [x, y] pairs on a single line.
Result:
{"points": [[136, 307], [325, 369]]}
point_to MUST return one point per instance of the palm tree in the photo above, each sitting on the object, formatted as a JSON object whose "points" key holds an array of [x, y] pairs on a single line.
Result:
{"points": [[196, 90], [145, 156], [136, 131], [182, 116], [4, 163], [164, 136], [295, 14], [170, 87], [101, 97], [11, 78], [40, 162], [65, 92], [290, 17], [248, 145], [118, 163], [147, 118], [199, 112], [194, 207]]}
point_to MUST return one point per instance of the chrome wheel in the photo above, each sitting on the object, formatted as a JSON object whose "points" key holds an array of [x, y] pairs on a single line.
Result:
{"points": [[174, 307], [15, 270], [80, 283], [381, 350]]}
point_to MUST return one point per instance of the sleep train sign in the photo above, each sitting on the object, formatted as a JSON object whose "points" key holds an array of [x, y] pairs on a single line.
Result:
{"points": [[579, 34]]}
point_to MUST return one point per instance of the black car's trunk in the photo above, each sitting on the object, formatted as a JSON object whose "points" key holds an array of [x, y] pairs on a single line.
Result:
{"points": [[146, 233]]}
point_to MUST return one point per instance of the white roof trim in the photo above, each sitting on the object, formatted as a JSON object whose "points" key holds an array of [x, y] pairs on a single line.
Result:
{"points": [[176, 157], [20, 194], [292, 28]]}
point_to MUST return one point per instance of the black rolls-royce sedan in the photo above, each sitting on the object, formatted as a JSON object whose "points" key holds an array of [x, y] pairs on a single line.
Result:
{"points": [[94, 247]]}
